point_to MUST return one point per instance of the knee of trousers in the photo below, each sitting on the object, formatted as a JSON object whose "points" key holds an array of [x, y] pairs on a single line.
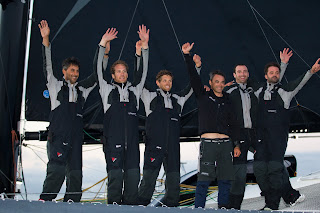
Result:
{"points": [[148, 183], [56, 171], [132, 178], [115, 176], [173, 178], [75, 180], [260, 168], [275, 174], [240, 176]]}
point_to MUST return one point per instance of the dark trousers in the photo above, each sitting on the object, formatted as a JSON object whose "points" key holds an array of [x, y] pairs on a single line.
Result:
{"points": [[123, 175], [238, 185], [172, 183], [215, 163], [65, 160], [268, 164], [202, 189]]}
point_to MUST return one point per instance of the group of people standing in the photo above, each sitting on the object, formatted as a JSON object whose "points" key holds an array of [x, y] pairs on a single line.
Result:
{"points": [[232, 120]]}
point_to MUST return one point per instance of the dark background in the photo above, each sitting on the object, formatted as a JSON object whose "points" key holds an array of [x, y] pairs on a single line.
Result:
{"points": [[225, 33]]}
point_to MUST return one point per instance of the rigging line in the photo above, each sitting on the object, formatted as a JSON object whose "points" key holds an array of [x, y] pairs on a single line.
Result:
{"points": [[36, 150], [265, 36], [125, 40], [6, 88], [283, 39], [280, 36], [37, 155], [6, 177], [39, 147], [95, 169], [99, 190], [165, 7]]}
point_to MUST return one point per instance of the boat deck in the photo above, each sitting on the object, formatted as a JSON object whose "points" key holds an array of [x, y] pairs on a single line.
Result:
{"points": [[310, 204]]}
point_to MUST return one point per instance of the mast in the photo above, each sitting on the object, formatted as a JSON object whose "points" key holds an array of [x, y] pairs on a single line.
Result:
{"points": [[22, 122]]}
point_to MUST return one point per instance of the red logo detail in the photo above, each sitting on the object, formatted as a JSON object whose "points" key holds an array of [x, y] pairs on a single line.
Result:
{"points": [[113, 159], [124, 105], [59, 154], [152, 159]]}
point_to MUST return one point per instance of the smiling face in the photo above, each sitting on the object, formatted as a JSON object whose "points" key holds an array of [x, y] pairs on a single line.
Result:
{"points": [[165, 83], [217, 84], [273, 74], [120, 73], [241, 74], [71, 73]]}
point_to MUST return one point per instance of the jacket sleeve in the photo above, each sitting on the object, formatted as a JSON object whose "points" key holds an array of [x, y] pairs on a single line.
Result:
{"points": [[143, 65], [195, 79], [47, 65], [292, 88]]}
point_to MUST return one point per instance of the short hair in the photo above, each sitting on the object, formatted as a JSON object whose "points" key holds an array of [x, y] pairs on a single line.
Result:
{"points": [[162, 73], [70, 61], [216, 72], [116, 63], [234, 68], [270, 64]]}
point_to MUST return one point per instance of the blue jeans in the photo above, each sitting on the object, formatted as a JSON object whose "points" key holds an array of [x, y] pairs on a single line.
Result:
{"points": [[201, 193]]}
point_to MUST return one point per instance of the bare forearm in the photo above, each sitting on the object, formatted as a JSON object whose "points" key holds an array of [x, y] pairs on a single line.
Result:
{"points": [[45, 41]]}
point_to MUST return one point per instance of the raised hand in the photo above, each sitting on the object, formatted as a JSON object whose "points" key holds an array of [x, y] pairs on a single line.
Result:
{"points": [[138, 47], [197, 60], [44, 28], [109, 35], [187, 47], [316, 67], [285, 55], [144, 36], [45, 32]]}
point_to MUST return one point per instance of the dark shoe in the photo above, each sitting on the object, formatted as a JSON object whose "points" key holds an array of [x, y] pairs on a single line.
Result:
{"points": [[235, 201]]}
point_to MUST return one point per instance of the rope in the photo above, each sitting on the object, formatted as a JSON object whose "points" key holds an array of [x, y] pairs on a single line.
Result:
{"points": [[265, 36], [90, 136], [36, 155], [128, 29], [165, 7]]}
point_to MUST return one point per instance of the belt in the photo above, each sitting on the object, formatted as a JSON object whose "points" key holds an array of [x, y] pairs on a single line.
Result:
{"points": [[215, 140]]}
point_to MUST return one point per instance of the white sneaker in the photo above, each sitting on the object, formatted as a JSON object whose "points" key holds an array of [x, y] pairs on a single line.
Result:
{"points": [[299, 200]]}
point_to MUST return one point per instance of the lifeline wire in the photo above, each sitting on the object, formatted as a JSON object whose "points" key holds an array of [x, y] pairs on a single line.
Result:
{"points": [[165, 7], [128, 29], [281, 37], [253, 9]]}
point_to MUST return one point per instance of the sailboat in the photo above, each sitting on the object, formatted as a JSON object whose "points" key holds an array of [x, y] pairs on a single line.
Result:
{"points": [[225, 33]]}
